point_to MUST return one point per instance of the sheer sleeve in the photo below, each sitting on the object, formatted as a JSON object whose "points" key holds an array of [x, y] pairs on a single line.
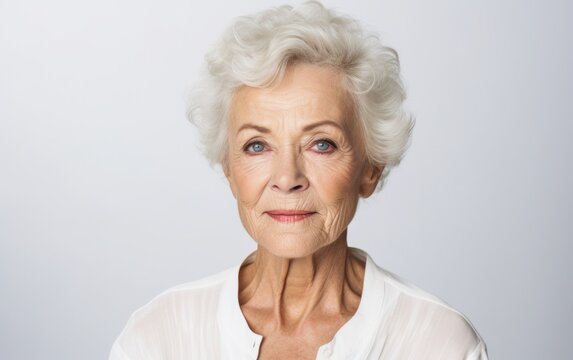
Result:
{"points": [[429, 330], [117, 353], [175, 325], [479, 353]]}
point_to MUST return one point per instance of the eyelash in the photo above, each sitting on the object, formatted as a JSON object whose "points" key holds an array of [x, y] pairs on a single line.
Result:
{"points": [[248, 145], [330, 142]]}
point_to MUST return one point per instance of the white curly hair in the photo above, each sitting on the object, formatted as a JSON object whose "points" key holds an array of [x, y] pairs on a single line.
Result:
{"points": [[256, 50]]}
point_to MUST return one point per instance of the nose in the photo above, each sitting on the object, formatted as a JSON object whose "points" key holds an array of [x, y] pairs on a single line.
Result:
{"points": [[288, 173]]}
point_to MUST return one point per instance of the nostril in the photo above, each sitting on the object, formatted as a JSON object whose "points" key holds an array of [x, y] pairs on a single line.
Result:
{"points": [[292, 189]]}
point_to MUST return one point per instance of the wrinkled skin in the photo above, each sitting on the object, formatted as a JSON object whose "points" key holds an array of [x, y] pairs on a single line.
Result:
{"points": [[292, 171], [303, 277]]}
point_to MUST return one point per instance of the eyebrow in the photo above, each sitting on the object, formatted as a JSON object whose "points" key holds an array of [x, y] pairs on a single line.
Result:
{"points": [[265, 130]]}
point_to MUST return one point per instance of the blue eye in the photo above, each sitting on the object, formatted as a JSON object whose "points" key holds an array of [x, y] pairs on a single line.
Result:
{"points": [[255, 147], [324, 146]]}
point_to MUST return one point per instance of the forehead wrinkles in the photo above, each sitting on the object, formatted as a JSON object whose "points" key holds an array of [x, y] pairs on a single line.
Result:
{"points": [[282, 110]]}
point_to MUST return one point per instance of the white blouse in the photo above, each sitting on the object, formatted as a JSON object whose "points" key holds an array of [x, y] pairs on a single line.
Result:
{"points": [[394, 320]]}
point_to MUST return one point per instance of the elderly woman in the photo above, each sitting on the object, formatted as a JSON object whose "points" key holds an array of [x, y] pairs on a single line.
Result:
{"points": [[303, 111]]}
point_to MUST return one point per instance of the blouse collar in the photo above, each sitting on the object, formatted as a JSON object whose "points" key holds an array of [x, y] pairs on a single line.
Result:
{"points": [[354, 339]]}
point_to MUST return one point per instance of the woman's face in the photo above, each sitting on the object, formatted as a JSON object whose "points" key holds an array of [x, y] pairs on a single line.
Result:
{"points": [[296, 161]]}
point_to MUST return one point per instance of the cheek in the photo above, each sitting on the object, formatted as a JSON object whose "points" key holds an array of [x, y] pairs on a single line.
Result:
{"points": [[334, 180], [250, 176], [336, 184]]}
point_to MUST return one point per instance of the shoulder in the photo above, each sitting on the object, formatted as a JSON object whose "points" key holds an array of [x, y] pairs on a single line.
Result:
{"points": [[183, 297], [171, 318], [432, 328]]}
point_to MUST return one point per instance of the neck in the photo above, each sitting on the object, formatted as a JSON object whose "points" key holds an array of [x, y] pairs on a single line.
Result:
{"points": [[295, 292]]}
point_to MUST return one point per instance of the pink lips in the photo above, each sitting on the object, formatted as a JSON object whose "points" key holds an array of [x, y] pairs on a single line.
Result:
{"points": [[289, 215]]}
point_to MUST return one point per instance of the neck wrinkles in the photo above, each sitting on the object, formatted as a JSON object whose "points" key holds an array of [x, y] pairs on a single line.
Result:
{"points": [[293, 292]]}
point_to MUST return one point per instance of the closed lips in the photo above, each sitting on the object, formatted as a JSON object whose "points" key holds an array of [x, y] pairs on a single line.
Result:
{"points": [[289, 212], [289, 216]]}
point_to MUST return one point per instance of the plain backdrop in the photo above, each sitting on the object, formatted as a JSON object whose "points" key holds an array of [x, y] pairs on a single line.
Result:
{"points": [[105, 200]]}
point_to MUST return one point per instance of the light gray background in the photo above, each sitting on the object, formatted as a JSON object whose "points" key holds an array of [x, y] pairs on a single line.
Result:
{"points": [[105, 200]]}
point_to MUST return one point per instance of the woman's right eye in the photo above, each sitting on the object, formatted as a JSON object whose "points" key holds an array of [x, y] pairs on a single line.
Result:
{"points": [[255, 147]]}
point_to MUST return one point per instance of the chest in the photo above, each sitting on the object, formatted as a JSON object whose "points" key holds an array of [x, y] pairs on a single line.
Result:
{"points": [[296, 341], [303, 343], [282, 347]]}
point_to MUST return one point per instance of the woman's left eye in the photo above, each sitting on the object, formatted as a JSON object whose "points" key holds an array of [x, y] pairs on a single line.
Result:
{"points": [[324, 146]]}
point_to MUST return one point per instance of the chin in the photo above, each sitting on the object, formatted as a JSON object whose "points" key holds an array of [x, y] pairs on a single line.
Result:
{"points": [[291, 246]]}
